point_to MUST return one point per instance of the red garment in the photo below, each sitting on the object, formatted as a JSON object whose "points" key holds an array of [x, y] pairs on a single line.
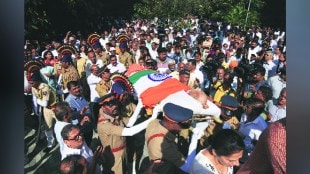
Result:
{"points": [[154, 95], [269, 155]]}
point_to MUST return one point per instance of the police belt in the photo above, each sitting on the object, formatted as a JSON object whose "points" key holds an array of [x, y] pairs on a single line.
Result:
{"points": [[118, 148]]}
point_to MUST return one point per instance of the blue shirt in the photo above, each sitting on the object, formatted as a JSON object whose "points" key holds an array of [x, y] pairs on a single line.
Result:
{"points": [[77, 103], [251, 130]]}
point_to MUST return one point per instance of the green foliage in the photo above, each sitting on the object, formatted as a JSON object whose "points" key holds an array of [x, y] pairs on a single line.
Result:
{"points": [[231, 11], [46, 19]]}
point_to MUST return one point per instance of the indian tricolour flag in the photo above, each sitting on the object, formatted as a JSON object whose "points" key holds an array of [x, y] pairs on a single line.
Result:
{"points": [[152, 87]]}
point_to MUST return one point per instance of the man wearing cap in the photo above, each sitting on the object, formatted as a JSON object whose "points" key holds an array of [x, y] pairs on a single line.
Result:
{"points": [[68, 72], [105, 84], [103, 56], [229, 112], [160, 138], [124, 57], [44, 98], [112, 131]]}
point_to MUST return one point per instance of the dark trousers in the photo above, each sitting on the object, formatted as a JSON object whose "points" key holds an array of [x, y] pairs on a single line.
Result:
{"points": [[94, 110]]}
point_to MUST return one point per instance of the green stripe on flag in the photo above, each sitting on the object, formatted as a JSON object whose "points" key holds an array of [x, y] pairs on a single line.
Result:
{"points": [[136, 76]]}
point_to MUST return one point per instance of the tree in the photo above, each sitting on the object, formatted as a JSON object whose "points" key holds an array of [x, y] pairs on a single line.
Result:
{"points": [[229, 11]]}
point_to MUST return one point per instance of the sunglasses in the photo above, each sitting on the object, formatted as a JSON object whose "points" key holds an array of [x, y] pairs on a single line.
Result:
{"points": [[184, 125], [77, 137], [110, 103]]}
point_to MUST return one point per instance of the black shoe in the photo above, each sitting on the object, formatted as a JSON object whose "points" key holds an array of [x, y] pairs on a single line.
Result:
{"points": [[47, 149]]}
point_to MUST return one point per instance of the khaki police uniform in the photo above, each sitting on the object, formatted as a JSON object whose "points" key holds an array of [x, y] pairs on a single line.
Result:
{"points": [[45, 93], [69, 74], [128, 109], [103, 87], [110, 134], [125, 58], [57, 68], [162, 148], [80, 65], [105, 57]]}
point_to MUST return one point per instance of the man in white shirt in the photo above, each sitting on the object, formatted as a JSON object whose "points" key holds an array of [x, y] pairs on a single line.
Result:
{"points": [[254, 49], [63, 115], [115, 66], [153, 51], [92, 80], [277, 83], [197, 74], [92, 60], [74, 144], [269, 65]]}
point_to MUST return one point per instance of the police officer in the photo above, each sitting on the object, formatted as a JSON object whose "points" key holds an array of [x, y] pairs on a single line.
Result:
{"points": [[160, 138], [105, 84], [44, 97], [112, 131], [68, 72], [125, 57]]}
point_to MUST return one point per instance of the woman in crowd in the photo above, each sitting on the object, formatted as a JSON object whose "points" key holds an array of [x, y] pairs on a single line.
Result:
{"points": [[224, 152]]}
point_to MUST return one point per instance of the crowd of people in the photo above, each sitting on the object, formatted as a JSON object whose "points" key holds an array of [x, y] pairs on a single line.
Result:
{"points": [[80, 85]]}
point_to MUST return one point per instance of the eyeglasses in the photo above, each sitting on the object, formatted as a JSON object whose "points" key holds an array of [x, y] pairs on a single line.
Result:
{"points": [[77, 137]]}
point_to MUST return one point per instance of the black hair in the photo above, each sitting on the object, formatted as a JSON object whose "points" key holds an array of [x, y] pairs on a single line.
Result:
{"points": [[266, 91], [283, 72], [72, 165], [67, 129], [226, 142], [61, 109], [282, 91], [258, 105], [45, 53], [72, 83], [259, 69], [193, 61], [197, 52], [162, 49]]}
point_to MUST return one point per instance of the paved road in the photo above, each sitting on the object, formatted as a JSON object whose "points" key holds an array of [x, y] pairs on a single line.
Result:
{"points": [[37, 160]]}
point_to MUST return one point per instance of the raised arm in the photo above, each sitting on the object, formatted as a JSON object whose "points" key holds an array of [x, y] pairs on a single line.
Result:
{"points": [[198, 132], [139, 127]]}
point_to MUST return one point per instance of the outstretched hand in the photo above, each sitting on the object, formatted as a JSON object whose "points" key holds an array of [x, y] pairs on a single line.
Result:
{"points": [[198, 131]]}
